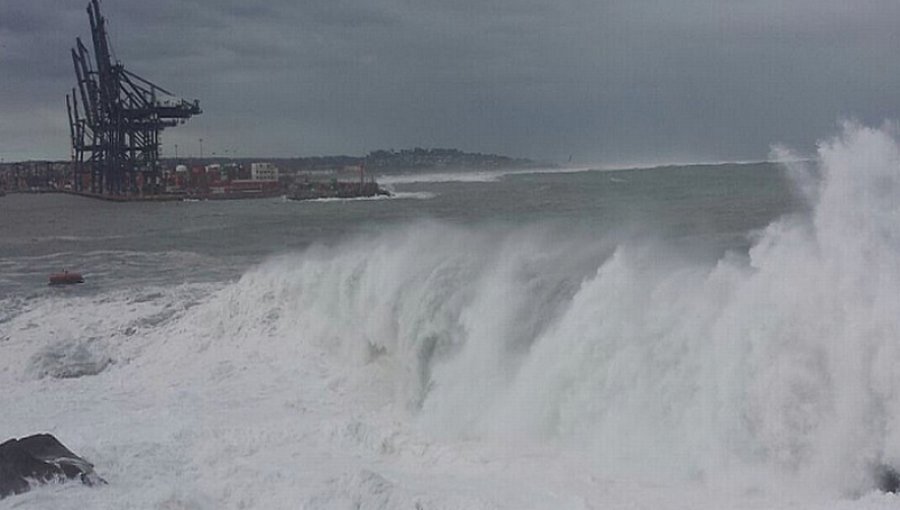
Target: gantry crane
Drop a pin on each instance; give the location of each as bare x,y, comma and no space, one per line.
115,119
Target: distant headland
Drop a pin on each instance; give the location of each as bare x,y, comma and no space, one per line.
390,160
233,177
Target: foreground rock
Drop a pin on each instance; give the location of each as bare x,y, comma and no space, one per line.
887,479
40,459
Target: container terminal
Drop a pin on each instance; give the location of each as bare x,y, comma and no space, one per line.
222,180
116,119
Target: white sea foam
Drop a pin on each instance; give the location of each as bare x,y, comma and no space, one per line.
459,367
60,239
395,195
479,175
476,176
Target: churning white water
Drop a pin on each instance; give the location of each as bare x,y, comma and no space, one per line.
439,366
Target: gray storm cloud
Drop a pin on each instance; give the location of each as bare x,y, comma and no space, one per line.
604,81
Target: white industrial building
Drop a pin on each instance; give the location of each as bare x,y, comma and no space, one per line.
263,172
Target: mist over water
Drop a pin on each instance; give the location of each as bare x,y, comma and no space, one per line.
783,358
769,365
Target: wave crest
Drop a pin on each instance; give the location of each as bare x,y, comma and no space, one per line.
784,357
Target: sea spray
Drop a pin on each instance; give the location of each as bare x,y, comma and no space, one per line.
786,360
781,360
410,300
773,367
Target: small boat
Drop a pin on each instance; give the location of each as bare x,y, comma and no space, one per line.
66,278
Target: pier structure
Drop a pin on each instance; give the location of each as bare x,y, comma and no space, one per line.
115,120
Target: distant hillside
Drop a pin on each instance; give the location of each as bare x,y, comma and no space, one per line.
405,160
419,158
391,160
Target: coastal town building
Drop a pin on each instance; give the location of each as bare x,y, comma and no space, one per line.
263,172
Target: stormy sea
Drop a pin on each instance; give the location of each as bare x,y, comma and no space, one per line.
681,337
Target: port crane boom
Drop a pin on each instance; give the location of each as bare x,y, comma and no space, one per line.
115,128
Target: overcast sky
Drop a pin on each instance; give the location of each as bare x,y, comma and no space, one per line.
604,81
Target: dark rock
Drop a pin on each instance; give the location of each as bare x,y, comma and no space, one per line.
887,479
40,459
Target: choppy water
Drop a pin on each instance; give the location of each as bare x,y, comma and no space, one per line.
715,206
483,341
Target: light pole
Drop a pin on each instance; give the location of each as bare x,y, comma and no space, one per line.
201,148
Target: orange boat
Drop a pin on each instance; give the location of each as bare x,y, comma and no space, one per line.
65,278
